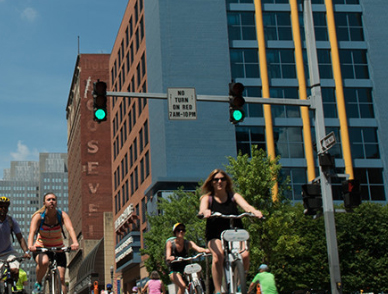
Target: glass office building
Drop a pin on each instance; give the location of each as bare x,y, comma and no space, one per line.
357,27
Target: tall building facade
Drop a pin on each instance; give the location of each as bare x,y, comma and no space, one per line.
25,183
90,186
260,43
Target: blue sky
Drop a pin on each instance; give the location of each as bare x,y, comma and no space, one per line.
38,51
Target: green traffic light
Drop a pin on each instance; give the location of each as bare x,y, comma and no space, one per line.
100,114
237,115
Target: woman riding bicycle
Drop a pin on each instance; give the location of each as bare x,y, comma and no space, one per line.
219,197
49,235
179,247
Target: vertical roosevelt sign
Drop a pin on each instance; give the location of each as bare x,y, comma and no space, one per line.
182,103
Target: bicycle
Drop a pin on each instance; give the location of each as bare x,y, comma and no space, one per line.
192,272
9,282
234,242
52,280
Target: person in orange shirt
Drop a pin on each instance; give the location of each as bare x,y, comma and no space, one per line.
49,235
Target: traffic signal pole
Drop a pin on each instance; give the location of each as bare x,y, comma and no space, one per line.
324,176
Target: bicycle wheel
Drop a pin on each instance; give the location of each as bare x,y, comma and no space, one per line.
8,287
198,289
239,281
56,286
47,284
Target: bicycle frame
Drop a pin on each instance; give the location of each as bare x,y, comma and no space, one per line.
192,272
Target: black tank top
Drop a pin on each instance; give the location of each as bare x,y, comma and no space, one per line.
215,226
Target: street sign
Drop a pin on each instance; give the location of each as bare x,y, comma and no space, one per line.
328,141
182,104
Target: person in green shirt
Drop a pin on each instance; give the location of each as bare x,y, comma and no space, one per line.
266,280
22,281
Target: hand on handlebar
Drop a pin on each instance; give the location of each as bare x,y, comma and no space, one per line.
74,246
171,258
257,213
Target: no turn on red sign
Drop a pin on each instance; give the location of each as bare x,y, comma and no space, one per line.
182,104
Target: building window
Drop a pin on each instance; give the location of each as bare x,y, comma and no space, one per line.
141,144
253,109
248,136
123,194
126,191
298,177
275,1
289,142
142,174
143,210
346,1
277,26
354,64
329,102
241,26
147,164
320,26
284,110
324,64
244,63
359,103
239,1
136,179
281,63
145,128
349,26
372,183
135,149
364,143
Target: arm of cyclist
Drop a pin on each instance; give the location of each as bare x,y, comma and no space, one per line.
33,229
23,245
198,248
204,206
163,289
69,227
246,206
169,257
144,290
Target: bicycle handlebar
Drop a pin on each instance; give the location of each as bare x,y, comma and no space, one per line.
179,259
231,216
18,258
53,249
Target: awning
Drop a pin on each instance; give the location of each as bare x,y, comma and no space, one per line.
91,268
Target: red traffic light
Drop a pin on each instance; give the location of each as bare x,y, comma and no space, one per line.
351,190
236,92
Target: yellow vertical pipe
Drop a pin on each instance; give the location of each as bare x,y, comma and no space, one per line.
265,88
339,89
308,144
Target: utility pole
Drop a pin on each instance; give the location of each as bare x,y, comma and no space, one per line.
324,176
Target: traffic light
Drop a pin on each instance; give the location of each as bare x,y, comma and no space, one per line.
351,190
312,198
99,101
236,103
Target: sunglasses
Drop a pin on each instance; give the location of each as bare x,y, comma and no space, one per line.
216,180
181,230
